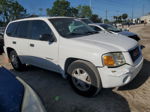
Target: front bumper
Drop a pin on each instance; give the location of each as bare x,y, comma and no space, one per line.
115,77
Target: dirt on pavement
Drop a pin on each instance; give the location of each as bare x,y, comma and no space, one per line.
58,96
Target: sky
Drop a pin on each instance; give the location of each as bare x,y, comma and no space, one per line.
113,7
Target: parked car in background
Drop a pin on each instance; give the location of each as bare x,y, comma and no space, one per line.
16,95
90,60
1,42
114,30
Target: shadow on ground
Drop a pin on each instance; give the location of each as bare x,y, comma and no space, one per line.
140,78
58,96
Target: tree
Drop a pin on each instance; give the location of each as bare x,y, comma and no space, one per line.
63,8
106,21
115,17
40,11
84,11
11,10
119,19
124,16
60,8
95,18
74,12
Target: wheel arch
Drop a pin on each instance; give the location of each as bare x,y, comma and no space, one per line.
8,50
70,60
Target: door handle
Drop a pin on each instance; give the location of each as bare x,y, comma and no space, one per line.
32,45
14,42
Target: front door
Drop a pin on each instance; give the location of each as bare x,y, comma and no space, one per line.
43,52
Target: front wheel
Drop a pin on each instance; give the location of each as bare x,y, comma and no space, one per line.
84,78
15,61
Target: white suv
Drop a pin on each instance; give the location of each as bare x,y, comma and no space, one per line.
90,60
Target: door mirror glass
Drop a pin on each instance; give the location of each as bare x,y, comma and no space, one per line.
45,37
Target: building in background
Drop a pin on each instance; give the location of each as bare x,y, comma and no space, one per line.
145,19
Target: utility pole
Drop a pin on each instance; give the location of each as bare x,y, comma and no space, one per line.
132,13
91,5
106,14
143,10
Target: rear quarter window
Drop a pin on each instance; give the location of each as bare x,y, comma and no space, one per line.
12,29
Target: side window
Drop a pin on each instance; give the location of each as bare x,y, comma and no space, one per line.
12,29
96,28
38,29
22,30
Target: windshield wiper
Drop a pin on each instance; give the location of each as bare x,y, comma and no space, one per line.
91,32
75,33
82,34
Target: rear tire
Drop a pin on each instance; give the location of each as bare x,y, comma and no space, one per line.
84,78
15,61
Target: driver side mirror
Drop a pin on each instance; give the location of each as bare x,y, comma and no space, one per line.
47,37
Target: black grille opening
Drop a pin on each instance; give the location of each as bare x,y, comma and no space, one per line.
135,54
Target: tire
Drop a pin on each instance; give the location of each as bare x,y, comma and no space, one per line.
89,84
15,61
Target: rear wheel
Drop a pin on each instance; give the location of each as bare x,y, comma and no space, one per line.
15,61
84,78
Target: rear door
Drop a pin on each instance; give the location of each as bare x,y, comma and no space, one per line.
21,41
43,52
17,38
10,36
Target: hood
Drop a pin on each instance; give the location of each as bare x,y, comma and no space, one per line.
126,33
108,41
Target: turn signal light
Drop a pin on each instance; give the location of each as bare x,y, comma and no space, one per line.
108,61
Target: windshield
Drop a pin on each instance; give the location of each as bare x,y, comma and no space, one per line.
110,28
70,27
87,21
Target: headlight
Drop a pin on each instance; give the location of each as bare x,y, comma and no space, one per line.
113,59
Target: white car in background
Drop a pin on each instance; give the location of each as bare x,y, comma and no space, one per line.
114,30
90,60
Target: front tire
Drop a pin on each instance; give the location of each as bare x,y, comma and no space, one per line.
84,78
15,61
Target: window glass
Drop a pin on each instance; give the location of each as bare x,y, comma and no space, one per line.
110,28
39,28
12,29
70,27
22,30
87,21
96,28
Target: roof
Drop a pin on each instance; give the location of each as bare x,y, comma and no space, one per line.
37,18
83,18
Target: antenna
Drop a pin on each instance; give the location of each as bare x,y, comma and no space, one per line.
143,10
106,13
91,5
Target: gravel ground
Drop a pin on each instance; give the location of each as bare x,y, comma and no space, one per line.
57,95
